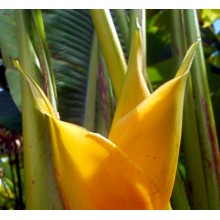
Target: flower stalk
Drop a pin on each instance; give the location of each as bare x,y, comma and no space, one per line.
112,50
204,114
190,139
89,115
39,171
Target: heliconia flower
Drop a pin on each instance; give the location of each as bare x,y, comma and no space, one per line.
150,132
133,169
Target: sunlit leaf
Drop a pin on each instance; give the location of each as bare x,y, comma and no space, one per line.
209,16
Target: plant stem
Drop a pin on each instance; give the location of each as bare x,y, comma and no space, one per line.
35,29
20,200
111,48
122,21
204,114
106,98
179,199
90,105
138,14
44,56
190,138
41,190
17,205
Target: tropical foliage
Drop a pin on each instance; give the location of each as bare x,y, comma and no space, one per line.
92,69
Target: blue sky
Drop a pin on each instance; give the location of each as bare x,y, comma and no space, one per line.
216,26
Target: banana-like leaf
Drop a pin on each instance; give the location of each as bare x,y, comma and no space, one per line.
132,171
9,49
69,36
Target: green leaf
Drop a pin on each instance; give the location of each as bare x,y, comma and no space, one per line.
13,79
69,36
8,36
209,16
161,72
9,49
158,37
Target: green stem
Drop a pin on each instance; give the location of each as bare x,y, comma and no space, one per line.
179,199
204,114
122,21
149,85
44,57
17,205
138,14
90,105
41,190
106,98
190,138
111,48
20,200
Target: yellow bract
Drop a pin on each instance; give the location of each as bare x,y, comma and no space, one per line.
134,89
150,134
93,173
42,102
135,168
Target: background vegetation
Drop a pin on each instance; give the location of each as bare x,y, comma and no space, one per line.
86,97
